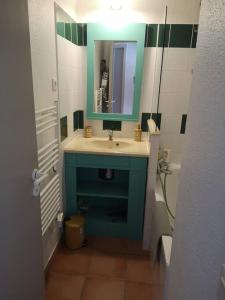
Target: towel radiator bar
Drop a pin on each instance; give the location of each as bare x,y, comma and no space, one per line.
46,181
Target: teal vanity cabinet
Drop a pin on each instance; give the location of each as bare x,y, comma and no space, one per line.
111,207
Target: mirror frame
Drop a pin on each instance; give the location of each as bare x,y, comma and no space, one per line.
130,32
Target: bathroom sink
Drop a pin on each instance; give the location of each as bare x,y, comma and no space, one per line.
106,144
102,145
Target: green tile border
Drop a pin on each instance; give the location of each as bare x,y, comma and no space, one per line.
146,35
176,35
68,31
146,116
164,35
63,128
151,35
78,120
79,34
183,124
112,125
180,36
194,36
84,34
73,32
60,28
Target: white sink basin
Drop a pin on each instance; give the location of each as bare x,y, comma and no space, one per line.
116,145
101,145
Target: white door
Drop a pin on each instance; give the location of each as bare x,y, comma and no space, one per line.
21,265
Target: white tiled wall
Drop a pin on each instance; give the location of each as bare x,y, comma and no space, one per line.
150,78
70,81
183,11
175,94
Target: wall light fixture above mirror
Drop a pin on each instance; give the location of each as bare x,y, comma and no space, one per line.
114,68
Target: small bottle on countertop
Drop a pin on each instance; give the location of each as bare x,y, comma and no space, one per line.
88,132
138,133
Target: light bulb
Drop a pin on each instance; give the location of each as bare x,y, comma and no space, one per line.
116,5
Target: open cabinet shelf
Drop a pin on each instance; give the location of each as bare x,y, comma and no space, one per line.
99,220
102,189
104,214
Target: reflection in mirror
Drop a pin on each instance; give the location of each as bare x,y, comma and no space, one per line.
63,30
114,76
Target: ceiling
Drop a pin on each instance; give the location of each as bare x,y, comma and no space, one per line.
146,11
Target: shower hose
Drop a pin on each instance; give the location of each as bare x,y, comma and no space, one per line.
164,169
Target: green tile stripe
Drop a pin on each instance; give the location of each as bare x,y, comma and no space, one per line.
68,31
146,116
63,128
73,32
78,120
156,35
183,124
151,35
80,34
112,125
84,34
194,36
180,36
60,28
146,35
171,35
164,35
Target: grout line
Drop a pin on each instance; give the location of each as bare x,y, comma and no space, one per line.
82,34
125,290
126,271
157,37
147,37
83,287
170,29
76,41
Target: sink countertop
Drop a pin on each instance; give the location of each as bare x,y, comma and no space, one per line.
92,145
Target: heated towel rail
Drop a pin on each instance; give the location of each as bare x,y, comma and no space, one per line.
46,182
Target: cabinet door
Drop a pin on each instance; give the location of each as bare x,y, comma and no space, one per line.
137,185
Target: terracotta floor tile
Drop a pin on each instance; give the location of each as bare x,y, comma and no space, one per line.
142,291
107,244
103,289
112,266
64,287
141,270
70,263
84,250
135,247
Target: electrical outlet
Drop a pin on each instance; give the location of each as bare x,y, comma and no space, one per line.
166,154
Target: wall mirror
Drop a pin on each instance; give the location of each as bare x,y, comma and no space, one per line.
114,76
114,62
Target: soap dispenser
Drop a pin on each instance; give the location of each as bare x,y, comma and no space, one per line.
137,133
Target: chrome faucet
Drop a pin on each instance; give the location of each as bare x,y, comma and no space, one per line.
110,132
